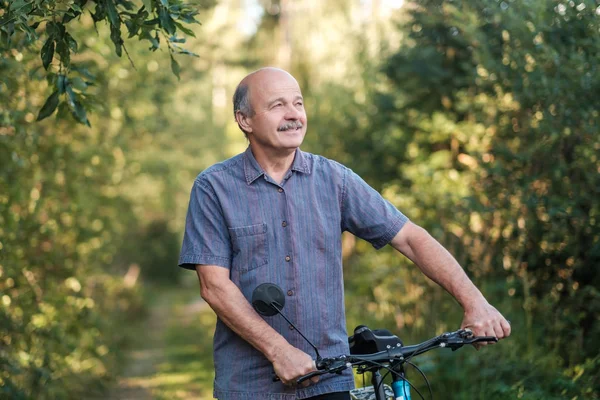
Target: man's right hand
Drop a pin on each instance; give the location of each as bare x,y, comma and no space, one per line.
292,363
228,302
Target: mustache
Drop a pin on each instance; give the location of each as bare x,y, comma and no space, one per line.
290,125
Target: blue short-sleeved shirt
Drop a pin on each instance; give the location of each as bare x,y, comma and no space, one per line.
288,234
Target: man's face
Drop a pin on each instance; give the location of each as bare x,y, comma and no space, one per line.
279,120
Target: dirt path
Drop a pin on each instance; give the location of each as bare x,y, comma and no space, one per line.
153,370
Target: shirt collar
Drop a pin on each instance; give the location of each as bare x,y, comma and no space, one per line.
253,171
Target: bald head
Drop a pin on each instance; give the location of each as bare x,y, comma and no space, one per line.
265,73
256,79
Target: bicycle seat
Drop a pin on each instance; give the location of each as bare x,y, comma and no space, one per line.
367,341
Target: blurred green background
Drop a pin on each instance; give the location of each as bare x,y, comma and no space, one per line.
479,119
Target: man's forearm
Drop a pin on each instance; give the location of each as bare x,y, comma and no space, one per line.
235,311
437,264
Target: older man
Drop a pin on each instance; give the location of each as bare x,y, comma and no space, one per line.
276,214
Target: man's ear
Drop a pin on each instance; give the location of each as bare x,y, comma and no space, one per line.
243,121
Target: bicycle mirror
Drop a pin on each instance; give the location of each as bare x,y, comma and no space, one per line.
268,299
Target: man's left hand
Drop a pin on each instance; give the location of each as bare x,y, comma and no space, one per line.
484,320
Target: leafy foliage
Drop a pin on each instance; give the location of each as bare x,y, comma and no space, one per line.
492,125
25,22
65,306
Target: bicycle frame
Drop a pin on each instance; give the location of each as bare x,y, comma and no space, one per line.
400,389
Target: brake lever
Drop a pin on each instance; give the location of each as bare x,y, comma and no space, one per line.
469,338
310,375
458,339
333,367
477,339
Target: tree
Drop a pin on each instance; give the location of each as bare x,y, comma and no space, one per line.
64,219
492,116
25,22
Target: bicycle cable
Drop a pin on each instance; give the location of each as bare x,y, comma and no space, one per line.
424,377
363,376
422,346
407,360
390,370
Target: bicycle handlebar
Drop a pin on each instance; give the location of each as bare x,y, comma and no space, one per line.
400,354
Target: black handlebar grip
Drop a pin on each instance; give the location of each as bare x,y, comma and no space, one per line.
478,339
308,376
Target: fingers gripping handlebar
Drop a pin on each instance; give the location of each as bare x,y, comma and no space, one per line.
452,340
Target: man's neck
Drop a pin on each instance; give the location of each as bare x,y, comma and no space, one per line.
275,163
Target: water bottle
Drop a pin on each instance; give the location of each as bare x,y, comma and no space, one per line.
401,389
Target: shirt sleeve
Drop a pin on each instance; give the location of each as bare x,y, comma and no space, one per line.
366,214
206,238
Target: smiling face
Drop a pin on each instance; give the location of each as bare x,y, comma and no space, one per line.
279,120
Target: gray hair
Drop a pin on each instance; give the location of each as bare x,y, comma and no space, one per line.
241,102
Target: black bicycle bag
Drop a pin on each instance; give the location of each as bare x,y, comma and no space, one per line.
367,341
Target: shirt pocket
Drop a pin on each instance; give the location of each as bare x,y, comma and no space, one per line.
250,248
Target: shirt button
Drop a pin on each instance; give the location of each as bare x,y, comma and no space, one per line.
290,292
291,328
284,224
288,258
280,190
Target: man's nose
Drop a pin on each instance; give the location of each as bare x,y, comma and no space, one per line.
293,113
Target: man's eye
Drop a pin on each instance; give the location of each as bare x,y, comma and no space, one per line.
277,105
300,104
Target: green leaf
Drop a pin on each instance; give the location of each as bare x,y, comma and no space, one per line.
71,98
77,109
85,72
115,36
175,39
62,48
79,84
143,13
148,5
9,30
127,4
80,114
132,27
49,106
48,52
188,18
113,14
63,111
51,78
30,32
71,42
155,43
185,51
188,53
185,30
17,4
100,13
151,22
70,15
52,29
62,83
166,22
175,67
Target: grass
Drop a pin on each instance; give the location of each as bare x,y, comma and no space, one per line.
172,356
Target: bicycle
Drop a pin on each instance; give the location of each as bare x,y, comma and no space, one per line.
370,351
